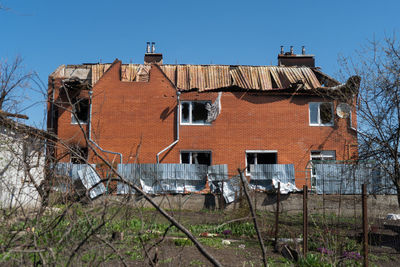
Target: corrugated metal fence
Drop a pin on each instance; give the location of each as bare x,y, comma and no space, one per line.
186,178
348,179
263,174
163,178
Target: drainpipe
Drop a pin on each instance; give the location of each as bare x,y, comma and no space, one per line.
178,112
90,131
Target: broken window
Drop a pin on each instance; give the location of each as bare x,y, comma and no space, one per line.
194,112
79,155
81,111
260,157
196,157
321,114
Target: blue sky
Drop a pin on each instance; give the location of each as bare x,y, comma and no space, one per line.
50,33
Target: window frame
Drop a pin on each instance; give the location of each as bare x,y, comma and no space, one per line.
191,111
258,152
313,174
331,123
190,156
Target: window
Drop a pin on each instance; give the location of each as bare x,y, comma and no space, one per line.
260,157
323,155
194,112
321,114
196,157
81,110
79,155
320,155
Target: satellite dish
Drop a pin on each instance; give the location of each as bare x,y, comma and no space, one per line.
343,110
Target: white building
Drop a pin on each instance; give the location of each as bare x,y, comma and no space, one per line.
22,160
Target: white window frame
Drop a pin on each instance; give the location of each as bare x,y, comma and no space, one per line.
74,121
194,151
331,123
323,157
191,111
258,151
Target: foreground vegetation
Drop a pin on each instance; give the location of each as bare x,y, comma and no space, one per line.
109,233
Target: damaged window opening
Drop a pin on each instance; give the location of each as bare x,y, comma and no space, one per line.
260,157
79,155
321,114
196,157
319,156
81,110
194,112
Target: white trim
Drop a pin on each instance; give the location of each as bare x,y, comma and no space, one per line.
74,122
332,123
190,112
190,154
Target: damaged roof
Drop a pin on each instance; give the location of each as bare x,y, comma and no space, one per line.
210,77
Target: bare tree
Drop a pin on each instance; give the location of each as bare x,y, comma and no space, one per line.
13,81
378,109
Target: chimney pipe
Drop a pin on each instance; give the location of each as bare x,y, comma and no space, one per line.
303,50
282,50
148,47
153,47
291,49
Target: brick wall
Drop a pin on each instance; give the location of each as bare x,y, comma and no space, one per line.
139,118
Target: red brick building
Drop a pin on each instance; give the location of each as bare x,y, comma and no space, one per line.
209,114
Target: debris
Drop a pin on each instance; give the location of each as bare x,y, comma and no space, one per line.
392,216
226,242
289,253
242,246
206,234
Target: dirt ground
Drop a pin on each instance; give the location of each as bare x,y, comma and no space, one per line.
245,250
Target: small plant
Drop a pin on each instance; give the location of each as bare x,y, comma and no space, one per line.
313,260
227,232
181,242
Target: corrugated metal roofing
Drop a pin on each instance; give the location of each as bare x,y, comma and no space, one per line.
213,77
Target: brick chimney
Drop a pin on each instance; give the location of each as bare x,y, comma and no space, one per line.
290,59
151,56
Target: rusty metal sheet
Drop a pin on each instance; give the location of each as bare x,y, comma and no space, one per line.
129,72
170,72
265,78
97,72
212,77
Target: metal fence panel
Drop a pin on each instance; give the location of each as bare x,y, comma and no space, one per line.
262,175
164,178
348,179
231,189
216,175
91,181
84,172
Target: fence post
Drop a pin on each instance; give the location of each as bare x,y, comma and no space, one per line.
278,196
305,220
365,224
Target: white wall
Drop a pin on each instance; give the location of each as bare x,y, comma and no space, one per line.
16,187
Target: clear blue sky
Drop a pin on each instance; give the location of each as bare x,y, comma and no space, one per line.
50,33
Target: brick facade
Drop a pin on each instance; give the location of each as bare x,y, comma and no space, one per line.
139,118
